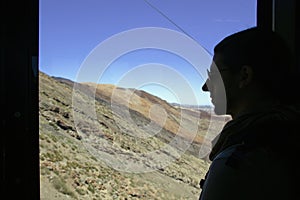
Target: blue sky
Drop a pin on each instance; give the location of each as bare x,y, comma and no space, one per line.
71,30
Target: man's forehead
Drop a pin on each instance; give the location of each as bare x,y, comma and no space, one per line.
217,62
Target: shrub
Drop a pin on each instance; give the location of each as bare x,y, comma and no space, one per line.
61,186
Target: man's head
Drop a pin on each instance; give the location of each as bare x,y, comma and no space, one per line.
252,66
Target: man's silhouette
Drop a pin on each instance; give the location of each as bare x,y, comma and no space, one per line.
255,155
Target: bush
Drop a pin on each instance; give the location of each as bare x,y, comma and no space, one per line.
61,186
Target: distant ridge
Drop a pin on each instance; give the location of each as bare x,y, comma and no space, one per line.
63,80
206,108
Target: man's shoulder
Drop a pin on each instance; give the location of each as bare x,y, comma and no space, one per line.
242,156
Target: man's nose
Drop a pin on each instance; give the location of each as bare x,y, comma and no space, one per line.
204,87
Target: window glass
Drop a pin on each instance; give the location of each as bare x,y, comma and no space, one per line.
121,108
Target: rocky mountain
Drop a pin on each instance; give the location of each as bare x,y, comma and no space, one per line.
105,142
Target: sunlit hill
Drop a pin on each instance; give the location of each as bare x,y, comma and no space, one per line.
93,137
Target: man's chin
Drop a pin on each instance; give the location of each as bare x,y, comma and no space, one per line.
219,110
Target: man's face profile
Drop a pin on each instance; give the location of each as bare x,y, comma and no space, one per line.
214,84
222,85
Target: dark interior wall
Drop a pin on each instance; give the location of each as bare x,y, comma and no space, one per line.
283,17
19,100
264,13
285,22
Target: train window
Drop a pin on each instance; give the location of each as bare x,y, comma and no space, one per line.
121,111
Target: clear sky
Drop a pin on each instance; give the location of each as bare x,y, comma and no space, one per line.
74,32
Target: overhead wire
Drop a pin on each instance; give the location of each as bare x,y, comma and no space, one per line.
171,21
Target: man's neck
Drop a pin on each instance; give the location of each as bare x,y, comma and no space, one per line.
254,106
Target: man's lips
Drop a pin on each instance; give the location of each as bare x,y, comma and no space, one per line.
212,100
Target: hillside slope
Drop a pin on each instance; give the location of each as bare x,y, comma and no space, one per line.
109,154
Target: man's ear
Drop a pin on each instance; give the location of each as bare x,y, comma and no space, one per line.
246,76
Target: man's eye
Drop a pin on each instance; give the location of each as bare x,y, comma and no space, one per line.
214,71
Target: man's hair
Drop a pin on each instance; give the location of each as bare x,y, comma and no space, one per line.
263,50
